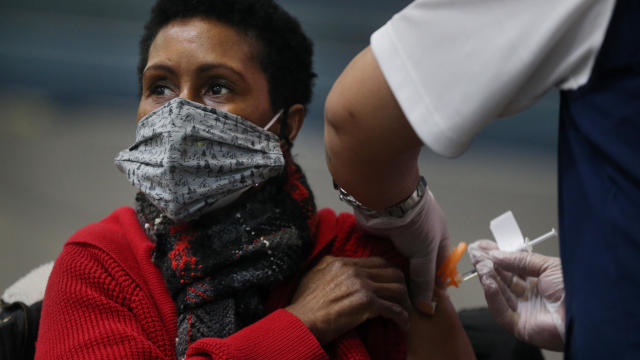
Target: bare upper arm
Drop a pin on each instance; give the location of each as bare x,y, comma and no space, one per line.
372,150
438,336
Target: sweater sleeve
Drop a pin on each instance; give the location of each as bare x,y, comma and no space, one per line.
280,335
94,309
381,337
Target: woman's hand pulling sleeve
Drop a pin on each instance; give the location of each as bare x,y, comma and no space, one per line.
338,294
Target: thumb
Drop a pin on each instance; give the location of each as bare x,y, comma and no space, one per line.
479,250
523,264
422,276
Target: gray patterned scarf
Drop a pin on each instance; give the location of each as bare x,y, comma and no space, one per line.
220,267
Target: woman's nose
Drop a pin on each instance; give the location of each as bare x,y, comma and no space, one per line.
191,94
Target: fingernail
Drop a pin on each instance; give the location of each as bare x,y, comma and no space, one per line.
484,267
487,280
426,306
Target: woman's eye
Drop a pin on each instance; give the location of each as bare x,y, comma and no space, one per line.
218,89
159,90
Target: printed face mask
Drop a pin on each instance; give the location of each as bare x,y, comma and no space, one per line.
189,159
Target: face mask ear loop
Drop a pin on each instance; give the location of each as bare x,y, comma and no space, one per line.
273,121
284,132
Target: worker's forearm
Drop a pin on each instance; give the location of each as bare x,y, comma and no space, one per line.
372,151
376,179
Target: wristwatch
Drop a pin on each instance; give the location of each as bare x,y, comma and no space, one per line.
398,210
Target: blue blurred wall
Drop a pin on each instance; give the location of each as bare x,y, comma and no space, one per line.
85,52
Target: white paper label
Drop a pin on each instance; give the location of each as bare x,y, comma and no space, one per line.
507,233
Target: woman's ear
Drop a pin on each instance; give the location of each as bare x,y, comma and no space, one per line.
295,119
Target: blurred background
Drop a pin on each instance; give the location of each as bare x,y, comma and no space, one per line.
68,94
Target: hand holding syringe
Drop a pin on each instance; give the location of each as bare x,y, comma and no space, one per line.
527,246
509,238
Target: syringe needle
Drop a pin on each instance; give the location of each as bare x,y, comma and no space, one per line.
469,275
473,273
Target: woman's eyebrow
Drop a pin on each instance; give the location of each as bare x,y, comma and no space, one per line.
212,66
162,67
200,69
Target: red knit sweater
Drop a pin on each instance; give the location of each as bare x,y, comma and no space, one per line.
106,300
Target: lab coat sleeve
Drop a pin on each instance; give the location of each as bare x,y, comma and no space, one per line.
455,65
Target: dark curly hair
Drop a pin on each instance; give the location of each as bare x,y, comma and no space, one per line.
284,52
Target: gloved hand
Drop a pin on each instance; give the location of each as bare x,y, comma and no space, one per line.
422,236
524,291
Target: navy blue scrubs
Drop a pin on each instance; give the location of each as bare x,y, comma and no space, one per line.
599,195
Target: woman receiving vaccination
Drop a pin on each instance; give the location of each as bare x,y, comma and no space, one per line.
224,255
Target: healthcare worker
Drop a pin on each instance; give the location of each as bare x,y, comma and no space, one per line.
438,72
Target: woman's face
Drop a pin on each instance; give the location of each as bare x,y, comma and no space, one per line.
207,62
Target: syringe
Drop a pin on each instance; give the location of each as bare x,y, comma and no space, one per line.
527,246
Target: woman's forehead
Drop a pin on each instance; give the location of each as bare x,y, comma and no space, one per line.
200,40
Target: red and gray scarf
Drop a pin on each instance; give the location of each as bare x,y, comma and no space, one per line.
220,267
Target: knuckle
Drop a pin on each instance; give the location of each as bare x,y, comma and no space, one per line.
336,264
363,298
357,283
351,271
396,309
399,275
352,283
380,260
326,261
400,289
526,260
